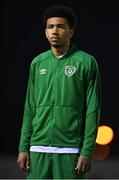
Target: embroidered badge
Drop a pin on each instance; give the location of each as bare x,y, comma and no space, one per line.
70,70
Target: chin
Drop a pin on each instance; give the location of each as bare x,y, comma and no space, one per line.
56,45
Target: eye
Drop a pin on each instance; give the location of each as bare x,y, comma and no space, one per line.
50,26
62,26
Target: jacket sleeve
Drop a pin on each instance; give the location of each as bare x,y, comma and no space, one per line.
29,113
93,107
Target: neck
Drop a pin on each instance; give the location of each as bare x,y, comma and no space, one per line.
57,51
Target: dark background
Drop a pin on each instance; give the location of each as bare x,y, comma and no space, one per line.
24,38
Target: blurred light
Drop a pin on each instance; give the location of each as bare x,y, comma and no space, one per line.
101,152
105,135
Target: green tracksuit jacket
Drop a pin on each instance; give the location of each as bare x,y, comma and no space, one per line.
63,101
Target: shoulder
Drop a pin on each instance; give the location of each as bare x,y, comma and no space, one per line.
41,57
84,57
86,60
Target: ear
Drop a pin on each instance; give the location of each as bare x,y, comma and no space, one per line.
46,33
71,33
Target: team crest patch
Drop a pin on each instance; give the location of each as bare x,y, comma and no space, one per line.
70,70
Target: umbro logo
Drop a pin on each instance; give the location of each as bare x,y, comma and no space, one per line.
43,71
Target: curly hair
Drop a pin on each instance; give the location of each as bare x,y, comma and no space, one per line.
61,11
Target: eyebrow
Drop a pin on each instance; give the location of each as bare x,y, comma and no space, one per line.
57,25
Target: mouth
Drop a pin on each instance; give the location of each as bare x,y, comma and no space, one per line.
54,38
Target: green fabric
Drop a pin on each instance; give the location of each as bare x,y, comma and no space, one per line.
63,102
53,166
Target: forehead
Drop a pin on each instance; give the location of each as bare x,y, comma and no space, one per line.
57,20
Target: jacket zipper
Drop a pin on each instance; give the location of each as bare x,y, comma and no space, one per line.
53,100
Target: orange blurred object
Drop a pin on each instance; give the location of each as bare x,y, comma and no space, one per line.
105,135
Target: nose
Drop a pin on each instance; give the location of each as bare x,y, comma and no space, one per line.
55,29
